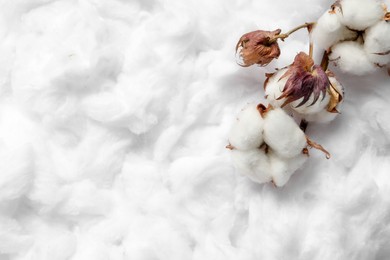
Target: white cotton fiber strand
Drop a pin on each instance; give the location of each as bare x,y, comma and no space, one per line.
282,134
351,58
246,132
329,31
252,163
360,14
283,168
274,87
377,43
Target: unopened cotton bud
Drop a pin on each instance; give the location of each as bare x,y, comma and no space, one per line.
328,30
359,14
257,47
351,58
253,164
282,134
247,130
377,43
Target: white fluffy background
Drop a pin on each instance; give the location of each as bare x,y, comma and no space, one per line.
114,115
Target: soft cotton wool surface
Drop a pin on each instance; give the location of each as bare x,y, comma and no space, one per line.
114,117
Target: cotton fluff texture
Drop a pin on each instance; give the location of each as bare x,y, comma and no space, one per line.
351,58
114,117
377,43
360,14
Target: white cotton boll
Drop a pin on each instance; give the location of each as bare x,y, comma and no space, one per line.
283,168
377,42
247,130
282,134
351,58
252,163
274,86
360,14
329,31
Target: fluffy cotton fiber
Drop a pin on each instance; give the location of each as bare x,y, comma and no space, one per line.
247,130
274,88
351,58
283,169
377,43
282,134
360,14
329,31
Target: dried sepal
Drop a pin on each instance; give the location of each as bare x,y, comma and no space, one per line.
230,147
304,79
313,144
334,5
263,109
335,99
387,16
258,47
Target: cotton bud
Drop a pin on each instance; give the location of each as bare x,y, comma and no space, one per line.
257,47
328,30
253,164
359,14
377,43
282,134
283,169
246,132
351,58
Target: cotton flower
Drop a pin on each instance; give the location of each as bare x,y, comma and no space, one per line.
246,132
377,43
351,58
328,30
359,14
257,47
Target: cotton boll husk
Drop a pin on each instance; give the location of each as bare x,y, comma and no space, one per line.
246,132
328,31
351,58
324,116
309,108
282,134
360,14
377,40
283,168
253,164
274,88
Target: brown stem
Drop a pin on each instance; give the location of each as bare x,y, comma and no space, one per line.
283,36
311,49
325,61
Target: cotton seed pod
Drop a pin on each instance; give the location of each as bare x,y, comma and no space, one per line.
328,30
377,43
247,130
257,47
282,134
253,164
359,14
351,58
282,168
